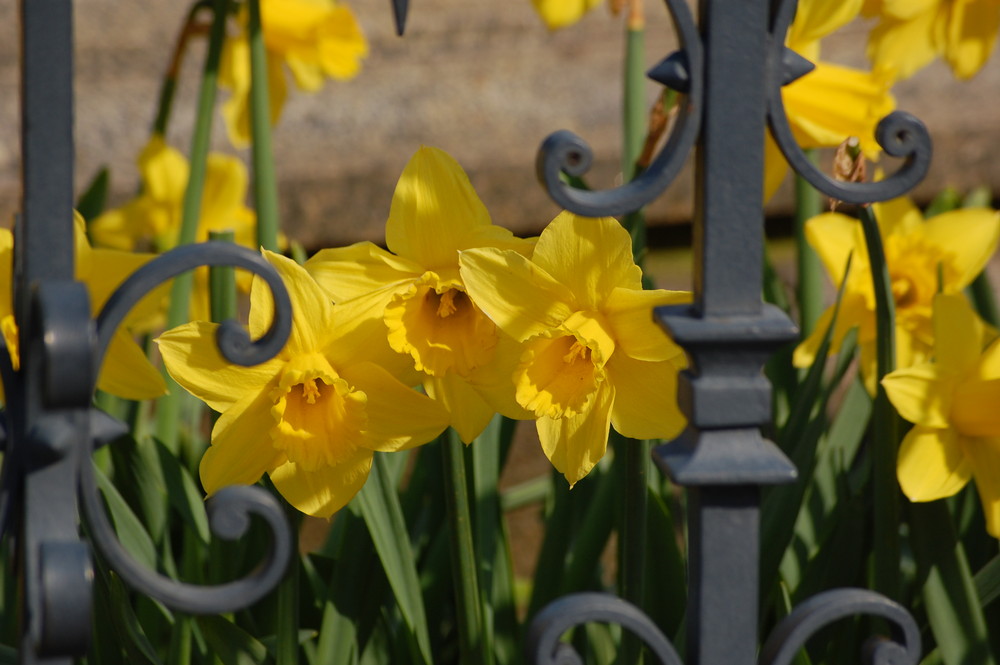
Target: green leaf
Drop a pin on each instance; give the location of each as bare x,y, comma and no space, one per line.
949,594
987,582
137,645
379,505
230,643
183,493
91,202
130,531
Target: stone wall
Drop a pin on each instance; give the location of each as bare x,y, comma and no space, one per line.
483,80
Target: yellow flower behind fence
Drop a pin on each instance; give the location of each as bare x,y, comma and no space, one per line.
953,246
594,357
126,371
418,298
314,39
911,33
312,417
952,402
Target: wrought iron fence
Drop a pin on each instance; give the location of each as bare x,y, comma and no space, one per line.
729,70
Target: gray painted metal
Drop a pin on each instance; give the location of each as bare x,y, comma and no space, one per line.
732,76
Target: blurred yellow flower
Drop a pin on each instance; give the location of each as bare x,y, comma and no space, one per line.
126,371
911,33
315,39
414,292
830,103
561,13
594,357
952,402
953,246
311,417
152,220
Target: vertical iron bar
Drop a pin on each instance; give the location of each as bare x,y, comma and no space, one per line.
728,334
728,243
54,565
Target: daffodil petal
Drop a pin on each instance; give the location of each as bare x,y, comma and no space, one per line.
921,394
985,461
905,46
561,13
127,372
815,19
630,313
775,167
164,170
645,398
470,414
588,256
192,357
958,333
358,270
398,417
517,295
932,464
974,412
494,381
242,449
898,216
833,236
575,444
972,34
969,236
358,334
312,308
326,490
433,208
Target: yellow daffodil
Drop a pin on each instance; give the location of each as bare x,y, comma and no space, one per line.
153,218
912,33
561,13
953,247
593,355
315,39
415,294
126,371
311,417
952,402
830,103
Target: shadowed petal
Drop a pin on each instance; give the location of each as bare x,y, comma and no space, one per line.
985,456
323,492
470,414
127,372
575,444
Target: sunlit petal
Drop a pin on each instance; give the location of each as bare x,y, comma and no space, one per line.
968,237
972,34
515,293
630,313
922,394
192,358
127,372
905,46
312,308
470,414
833,236
359,269
562,13
932,464
645,398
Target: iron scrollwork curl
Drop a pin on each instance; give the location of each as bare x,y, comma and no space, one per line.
899,134
565,152
823,609
543,645
229,510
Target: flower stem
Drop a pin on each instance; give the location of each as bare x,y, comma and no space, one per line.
168,410
885,426
463,555
168,88
809,288
222,283
265,188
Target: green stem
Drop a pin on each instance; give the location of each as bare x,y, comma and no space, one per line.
809,288
885,425
265,188
222,283
463,556
633,533
168,88
287,646
981,294
169,407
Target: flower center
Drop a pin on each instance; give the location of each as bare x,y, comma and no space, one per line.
320,418
557,377
440,328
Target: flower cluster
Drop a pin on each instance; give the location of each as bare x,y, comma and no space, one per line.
558,330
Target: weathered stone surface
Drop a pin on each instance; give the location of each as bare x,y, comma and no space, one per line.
484,81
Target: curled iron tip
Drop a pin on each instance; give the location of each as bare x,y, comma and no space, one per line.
399,10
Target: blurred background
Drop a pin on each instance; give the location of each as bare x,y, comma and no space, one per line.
485,81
